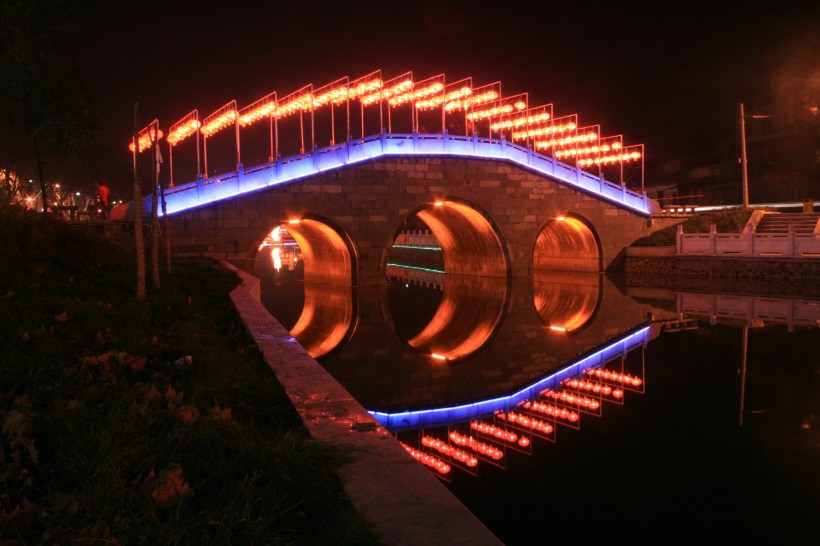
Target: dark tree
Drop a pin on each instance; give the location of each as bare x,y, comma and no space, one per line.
45,107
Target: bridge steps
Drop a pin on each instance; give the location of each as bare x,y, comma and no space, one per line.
779,222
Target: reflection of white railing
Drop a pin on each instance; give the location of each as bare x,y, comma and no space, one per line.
748,308
418,237
788,244
419,276
202,192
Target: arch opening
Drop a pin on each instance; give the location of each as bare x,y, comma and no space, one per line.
567,243
316,256
448,261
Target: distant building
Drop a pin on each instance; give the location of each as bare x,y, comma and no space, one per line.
783,159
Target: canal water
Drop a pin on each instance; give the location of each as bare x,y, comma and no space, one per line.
570,406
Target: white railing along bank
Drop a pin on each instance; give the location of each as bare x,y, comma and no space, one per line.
789,244
202,192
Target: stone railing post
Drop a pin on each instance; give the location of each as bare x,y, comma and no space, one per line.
791,242
679,239
713,238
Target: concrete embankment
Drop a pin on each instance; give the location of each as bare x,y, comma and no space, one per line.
762,275
404,503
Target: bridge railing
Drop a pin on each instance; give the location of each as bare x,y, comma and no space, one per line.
226,186
788,244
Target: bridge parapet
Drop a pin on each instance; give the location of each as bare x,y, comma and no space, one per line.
229,185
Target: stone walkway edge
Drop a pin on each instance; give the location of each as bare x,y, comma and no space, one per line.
403,503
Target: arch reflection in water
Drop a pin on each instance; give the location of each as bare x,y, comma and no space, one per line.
468,313
328,319
566,301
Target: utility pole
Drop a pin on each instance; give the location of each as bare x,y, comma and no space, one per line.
743,162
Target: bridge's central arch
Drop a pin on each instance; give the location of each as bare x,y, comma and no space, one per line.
470,244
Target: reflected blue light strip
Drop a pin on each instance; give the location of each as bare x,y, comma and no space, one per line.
417,268
477,410
185,197
414,247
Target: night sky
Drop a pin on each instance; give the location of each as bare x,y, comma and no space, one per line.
668,77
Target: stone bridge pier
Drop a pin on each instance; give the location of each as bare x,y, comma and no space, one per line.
491,217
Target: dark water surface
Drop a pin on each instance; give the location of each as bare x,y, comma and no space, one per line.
720,439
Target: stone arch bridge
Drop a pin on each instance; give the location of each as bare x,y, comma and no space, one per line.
497,209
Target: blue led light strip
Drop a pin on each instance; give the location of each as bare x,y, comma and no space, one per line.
196,194
477,410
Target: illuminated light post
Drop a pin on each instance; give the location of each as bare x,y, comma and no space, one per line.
452,100
361,88
332,94
297,102
392,88
261,109
217,121
145,139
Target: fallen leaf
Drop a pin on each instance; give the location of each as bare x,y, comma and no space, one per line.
219,414
139,364
171,486
62,317
188,413
153,394
170,393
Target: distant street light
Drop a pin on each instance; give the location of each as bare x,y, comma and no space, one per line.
743,161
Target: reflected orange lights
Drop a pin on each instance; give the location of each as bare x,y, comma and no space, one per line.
494,431
597,388
428,460
452,452
531,423
436,356
558,329
623,378
553,411
479,447
571,399
294,221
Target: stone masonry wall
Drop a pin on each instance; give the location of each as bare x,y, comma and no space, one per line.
370,201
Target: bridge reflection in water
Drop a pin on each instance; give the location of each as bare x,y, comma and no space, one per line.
568,387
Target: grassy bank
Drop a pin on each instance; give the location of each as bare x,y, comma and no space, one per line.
725,221
154,422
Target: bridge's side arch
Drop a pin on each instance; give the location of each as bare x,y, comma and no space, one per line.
567,242
328,252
